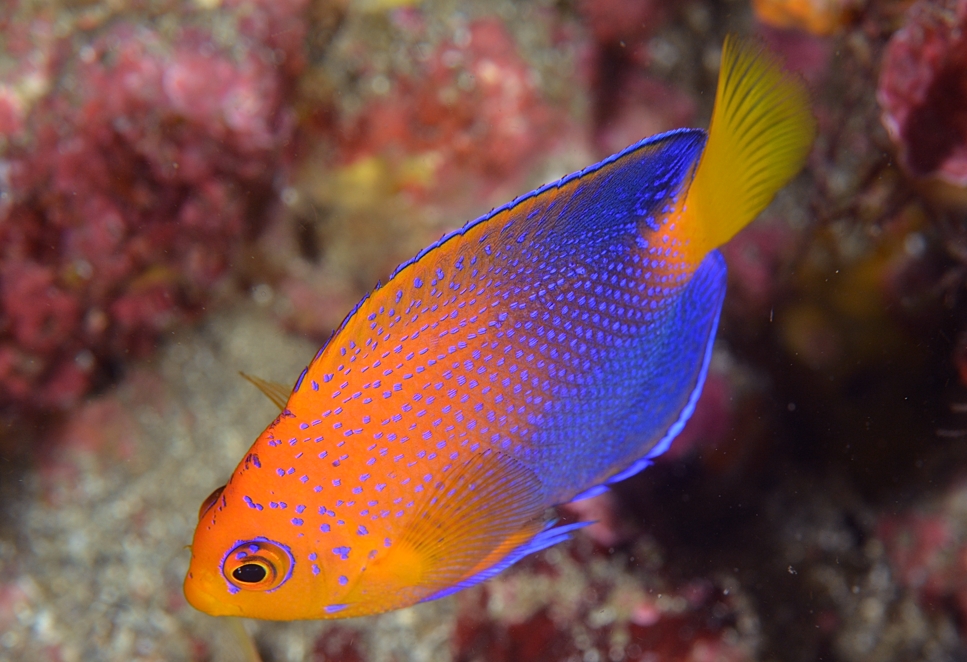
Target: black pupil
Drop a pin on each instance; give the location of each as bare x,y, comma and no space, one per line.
249,573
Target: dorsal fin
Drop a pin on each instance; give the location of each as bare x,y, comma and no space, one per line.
274,391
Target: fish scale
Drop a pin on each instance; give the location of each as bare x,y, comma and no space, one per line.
505,349
532,357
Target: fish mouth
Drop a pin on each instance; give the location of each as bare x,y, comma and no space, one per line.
197,592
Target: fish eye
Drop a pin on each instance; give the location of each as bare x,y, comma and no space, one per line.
250,573
258,565
209,502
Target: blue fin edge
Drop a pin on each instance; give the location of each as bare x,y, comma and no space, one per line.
666,441
590,493
550,536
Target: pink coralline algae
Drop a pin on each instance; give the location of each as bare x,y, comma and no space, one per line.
127,189
626,103
616,21
927,550
803,52
568,610
607,527
924,552
643,106
474,107
923,90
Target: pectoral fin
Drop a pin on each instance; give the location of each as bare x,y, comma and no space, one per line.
468,527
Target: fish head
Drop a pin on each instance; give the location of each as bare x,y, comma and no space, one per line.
269,545
247,566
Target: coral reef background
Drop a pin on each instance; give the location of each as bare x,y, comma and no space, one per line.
192,188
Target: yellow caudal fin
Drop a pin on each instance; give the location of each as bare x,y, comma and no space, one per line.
760,134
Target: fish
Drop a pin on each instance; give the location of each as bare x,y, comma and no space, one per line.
533,357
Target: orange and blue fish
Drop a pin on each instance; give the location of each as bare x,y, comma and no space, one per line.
533,357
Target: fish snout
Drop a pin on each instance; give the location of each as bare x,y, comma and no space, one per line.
203,592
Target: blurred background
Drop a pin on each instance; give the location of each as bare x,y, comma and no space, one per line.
193,188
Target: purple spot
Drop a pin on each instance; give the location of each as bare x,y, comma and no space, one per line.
315,569
332,609
342,551
255,460
317,489
281,472
386,542
300,508
297,521
336,482
343,580
361,531
324,528
315,386
313,556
